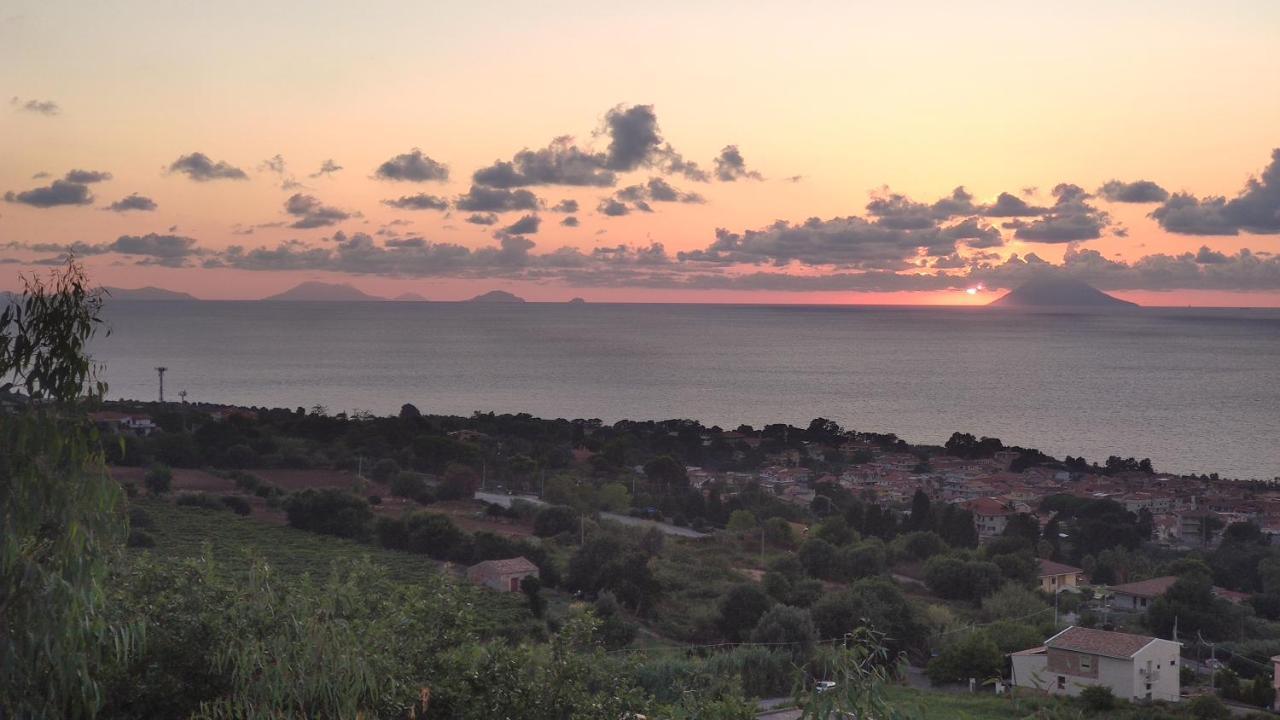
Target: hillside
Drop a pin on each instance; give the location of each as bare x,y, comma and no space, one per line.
147,293
313,291
1058,292
497,296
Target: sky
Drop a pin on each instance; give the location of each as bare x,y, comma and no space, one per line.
813,152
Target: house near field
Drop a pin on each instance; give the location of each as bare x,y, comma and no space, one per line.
502,575
1054,576
1138,596
123,423
1134,667
990,516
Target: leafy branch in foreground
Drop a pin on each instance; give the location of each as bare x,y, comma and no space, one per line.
61,514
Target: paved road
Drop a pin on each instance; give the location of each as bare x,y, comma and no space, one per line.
505,501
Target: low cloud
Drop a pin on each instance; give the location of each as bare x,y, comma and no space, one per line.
570,221
560,163
489,199
730,166
526,225
1256,209
655,190
39,107
328,167
133,201
56,194
412,166
482,219
197,166
1008,205
1071,219
86,177
1140,191
568,205
612,207
311,213
421,201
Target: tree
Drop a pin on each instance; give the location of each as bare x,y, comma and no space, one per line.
604,563
972,655
741,610
778,533
665,471
875,603
531,586
1014,601
818,557
459,481
614,631
409,412
788,627
384,470
330,512
741,522
159,479
554,520
61,514
921,517
613,497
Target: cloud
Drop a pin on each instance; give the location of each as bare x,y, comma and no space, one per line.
482,219
311,213
560,163
155,249
526,225
58,193
489,199
612,207
846,243
1007,205
568,205
730,166
328,167
634,138
1071,219
1140,191
421,201
197,166
1184,214
1255,209
570,221
655,190
1205,256
85,177
133,201
412,166
40,107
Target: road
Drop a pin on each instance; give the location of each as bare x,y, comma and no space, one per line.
505,501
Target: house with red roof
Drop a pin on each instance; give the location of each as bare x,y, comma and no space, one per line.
1134,667
990,516
502,575
1139,595
1055,576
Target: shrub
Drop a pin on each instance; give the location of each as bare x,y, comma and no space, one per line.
556,519
787,627
237,504
199,500
140,539
1098,698
330,512
1208,707
158,479
974,655
139,518
412,486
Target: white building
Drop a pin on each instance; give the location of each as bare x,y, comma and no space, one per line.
1135,667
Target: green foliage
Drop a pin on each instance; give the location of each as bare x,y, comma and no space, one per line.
741,522
953,578
237,504
741,610
876,604
970,655
159,479
1098,698
605,563
330,512
1015,602
1208,707
788,629
861,669
919,545
61,516
554,520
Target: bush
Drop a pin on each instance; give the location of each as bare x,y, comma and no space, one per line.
1098,698
139,518
140,539
330,512
412,486
1208,707
556,519
384,470
974,655
789,628
159,479
199,500
237,504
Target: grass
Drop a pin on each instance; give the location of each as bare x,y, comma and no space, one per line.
930,705
234,541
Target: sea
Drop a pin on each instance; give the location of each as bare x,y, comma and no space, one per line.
1194,390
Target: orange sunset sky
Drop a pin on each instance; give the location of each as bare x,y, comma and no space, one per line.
719,151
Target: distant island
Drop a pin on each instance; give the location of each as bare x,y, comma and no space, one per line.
1058,292
147,293
312,291
496,296
409,297
577,301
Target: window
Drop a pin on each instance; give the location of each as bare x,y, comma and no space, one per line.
1062,682
1086,663
1172,663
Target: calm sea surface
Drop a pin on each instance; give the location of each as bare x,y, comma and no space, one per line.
1194,390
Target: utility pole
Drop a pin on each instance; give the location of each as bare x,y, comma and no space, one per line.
162,370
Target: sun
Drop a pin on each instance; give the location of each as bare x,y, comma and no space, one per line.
971,291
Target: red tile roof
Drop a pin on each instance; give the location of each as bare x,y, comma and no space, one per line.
1098,642
504,567
1155,587
988,506
1049,567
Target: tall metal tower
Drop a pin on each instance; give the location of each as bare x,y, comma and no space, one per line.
162,371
